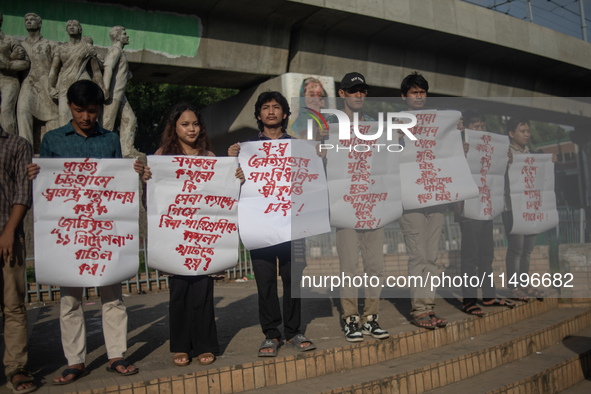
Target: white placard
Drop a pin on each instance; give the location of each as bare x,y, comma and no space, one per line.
487,158
192,214
284,196
86,221
533,199
363,179
433,169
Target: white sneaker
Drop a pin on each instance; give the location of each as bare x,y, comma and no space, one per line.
352,333
371,327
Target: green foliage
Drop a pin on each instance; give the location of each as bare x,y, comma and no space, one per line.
495,124
151,103
540,131
545,132
31,274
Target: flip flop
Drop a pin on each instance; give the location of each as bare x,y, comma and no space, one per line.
113,368
296,343
71,371
268,344
205,355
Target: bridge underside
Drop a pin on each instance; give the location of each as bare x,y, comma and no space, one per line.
463,50
246,42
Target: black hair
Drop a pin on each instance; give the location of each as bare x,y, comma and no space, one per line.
84,93
413,79
514,122
264,98
472,115
170,144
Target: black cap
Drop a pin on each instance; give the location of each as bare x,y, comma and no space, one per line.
353,79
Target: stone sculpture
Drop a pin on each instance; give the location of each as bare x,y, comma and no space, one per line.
115,76
13,59
75,60
34,101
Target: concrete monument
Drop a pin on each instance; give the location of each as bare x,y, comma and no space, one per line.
34,101
13,59
115,76
75,60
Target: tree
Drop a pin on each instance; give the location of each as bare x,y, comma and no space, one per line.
151,103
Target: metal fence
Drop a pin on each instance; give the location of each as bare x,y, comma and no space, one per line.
143,279
571,229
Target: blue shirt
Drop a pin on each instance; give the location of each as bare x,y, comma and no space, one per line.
65,142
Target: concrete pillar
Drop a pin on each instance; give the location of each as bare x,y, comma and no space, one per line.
582,137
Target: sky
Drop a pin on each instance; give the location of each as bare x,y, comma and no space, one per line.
560,15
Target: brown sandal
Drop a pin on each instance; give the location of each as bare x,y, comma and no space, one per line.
176,359
203,356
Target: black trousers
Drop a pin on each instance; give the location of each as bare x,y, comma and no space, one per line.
192,316
264,263
477,254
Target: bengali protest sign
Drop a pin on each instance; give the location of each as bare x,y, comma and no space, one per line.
285,196
363,179
487,159
192,214
433,169
533,200
86,221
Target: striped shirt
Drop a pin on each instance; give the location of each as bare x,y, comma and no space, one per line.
15,187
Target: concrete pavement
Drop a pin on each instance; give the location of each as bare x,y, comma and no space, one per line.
238,327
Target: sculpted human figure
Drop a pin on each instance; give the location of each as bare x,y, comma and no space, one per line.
34,101
13,59
115,76
73,61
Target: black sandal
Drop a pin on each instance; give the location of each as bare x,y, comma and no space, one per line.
71,371
268,344
296,343
500,302
125,364
472,309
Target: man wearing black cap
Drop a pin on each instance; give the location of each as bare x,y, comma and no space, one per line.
354,90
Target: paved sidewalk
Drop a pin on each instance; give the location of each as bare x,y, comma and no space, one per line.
238,327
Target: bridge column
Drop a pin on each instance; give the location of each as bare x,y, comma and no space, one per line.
583,139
